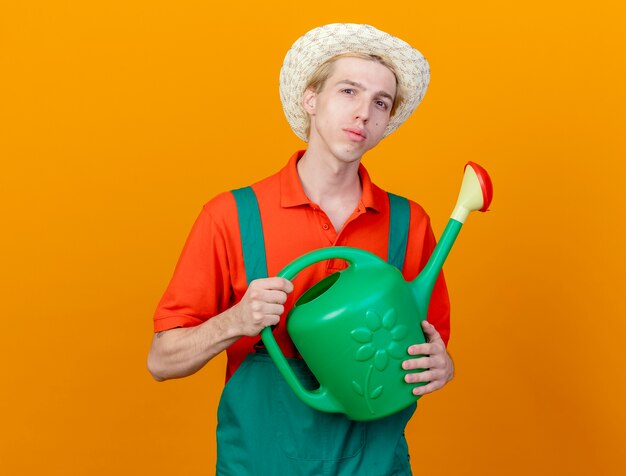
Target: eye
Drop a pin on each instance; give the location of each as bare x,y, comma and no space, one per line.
382,105
349,91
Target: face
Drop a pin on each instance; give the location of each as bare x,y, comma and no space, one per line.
351,112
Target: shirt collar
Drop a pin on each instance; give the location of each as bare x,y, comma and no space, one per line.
292,194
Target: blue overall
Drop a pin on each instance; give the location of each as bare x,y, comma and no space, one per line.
264,429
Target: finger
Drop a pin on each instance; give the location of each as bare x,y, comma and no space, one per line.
278,283
421,363
421,349
262,292
265,320
428,388
269,309
430,348
431,333
285,285
275,297
271,320
259,307
275,283
417,377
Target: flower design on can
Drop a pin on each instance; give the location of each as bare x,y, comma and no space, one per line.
379,340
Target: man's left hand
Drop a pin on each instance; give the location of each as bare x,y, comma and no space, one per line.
433,357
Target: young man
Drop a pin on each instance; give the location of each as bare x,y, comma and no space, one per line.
344,87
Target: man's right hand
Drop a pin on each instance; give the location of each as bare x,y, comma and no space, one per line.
183,351
262,305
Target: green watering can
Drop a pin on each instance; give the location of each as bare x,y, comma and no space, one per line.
353,328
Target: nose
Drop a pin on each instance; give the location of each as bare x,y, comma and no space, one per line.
362,111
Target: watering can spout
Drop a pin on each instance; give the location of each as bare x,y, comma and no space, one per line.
476,192
475,195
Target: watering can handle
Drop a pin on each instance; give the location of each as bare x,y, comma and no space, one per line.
320,399
354,256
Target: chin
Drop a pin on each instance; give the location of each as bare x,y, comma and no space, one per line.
349,156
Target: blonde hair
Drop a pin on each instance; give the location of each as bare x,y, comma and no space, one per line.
322,73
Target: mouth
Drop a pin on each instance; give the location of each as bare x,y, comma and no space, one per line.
357,135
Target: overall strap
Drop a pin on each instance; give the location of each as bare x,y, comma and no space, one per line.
251,230
253,242
399,217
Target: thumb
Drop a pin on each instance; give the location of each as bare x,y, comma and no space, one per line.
431,333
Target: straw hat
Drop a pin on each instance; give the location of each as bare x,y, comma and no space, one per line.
320,44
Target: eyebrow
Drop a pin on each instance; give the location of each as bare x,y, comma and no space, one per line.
384,94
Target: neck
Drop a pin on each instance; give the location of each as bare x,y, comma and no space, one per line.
332,184
323,179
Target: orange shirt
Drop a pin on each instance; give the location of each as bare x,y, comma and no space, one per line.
210,275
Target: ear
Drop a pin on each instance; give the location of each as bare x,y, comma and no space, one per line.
308,101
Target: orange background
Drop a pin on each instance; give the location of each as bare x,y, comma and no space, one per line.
118,120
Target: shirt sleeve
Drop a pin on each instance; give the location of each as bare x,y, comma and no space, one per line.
201,286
